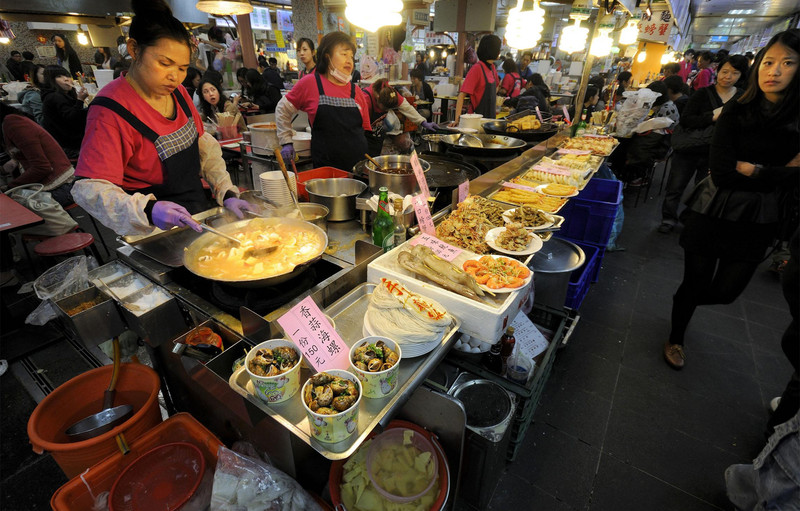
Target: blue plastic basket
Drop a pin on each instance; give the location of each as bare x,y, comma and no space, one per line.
590,215
582,278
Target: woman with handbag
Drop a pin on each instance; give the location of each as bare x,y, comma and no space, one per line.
693,134
734,214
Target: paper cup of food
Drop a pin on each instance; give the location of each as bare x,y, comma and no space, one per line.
376,362
331,400
274,369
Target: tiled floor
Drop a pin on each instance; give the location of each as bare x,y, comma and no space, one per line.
616,429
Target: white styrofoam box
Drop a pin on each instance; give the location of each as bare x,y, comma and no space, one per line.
486,321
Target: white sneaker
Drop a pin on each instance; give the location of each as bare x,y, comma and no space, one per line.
773,405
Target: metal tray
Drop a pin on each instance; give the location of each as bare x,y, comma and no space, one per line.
94,325
348,312
491,196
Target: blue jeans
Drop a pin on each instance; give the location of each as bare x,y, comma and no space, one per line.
772,481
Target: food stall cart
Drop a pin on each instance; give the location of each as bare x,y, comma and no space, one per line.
340,281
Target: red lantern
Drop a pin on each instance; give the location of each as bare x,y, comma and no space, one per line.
42,39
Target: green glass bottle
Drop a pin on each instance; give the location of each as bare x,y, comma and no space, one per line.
383,226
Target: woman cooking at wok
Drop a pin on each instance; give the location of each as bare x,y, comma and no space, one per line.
336,108
145,149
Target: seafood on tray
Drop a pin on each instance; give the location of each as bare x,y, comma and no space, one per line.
374,358
327,394
404,316
497,272
272,362
423,261
515,237
466,227
529,216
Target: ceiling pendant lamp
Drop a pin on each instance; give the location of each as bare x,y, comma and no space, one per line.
602,43
83,39
573,37
374,14
524,29
666,58
225,7
630,33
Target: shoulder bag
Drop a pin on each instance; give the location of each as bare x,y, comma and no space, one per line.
686,139
56,220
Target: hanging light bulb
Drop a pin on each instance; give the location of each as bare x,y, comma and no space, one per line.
374,14
573,37
524,29
666,58
4,40
642,54
82,38
630,33
602,43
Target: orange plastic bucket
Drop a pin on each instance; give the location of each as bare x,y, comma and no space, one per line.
138,385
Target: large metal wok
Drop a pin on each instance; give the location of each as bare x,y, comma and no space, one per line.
483,145
190,255
547,130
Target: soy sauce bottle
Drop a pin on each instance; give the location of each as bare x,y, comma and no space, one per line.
507,343
492,360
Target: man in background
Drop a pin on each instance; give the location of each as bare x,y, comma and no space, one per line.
272,74
14,65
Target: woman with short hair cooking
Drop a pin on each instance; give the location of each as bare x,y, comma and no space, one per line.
145,149
337,110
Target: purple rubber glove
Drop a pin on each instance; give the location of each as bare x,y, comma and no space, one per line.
167,215
238,206
287,153
430,126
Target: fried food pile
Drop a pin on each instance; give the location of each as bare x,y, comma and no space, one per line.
466,227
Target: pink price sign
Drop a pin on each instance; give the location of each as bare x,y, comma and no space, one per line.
578,152
566,114
440,248
312,333
539,114
423,183
519,187
423,214
463,191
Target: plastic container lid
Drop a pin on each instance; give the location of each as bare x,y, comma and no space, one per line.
395,437
164,478
558,256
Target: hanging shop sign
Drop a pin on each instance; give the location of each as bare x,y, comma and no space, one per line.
259,19
284,20
656,27
274,48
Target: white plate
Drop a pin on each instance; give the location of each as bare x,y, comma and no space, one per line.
534,245
540,189
507,219
502,289
410,350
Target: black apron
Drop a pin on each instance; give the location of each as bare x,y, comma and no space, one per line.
488,103
179,153
337,136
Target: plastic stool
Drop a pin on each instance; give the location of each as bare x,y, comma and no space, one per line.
437,116
94,225
67,244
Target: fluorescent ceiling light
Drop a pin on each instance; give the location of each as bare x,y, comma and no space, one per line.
549,4
742,11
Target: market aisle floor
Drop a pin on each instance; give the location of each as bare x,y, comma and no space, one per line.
616,428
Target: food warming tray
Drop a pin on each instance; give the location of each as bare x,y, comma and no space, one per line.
348,312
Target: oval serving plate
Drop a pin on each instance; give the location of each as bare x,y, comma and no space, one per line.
503,289
534,245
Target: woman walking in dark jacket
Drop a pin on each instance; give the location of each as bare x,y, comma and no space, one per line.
63,114
701,111
733,216
66,56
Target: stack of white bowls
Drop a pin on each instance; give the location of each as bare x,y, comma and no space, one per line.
273,187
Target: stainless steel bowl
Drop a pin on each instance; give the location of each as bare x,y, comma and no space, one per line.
316,214
337,194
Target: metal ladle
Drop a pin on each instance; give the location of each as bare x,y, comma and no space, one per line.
110,416
469,140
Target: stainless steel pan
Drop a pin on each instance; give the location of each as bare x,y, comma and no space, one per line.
483,145
190,255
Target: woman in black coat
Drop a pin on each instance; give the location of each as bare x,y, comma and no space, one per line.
63,113
66,55
733,216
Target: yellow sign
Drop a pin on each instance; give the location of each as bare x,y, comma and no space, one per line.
279,39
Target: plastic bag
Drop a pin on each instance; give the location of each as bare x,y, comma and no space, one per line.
60,281
634,110
656,123
242,483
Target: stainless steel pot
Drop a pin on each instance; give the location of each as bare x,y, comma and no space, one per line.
316,214
401,182
433,143
552,267
337,194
